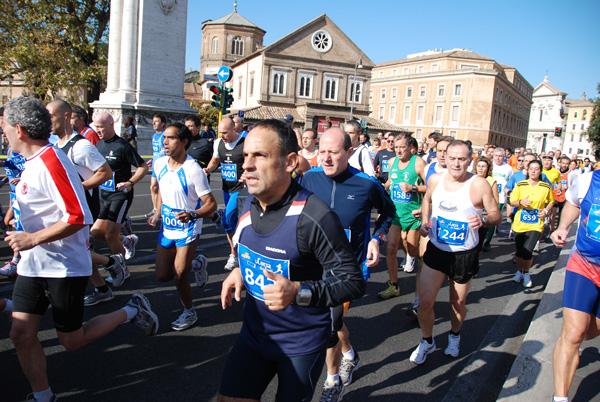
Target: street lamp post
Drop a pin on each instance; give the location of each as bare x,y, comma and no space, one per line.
10,82
353,90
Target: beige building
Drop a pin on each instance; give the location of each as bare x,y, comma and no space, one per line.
227,40
575,137
312,73
455,92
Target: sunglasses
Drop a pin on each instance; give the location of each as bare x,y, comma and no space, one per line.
519,160
548,157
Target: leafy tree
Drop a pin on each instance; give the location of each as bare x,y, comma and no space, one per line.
594,128
207,113
55,44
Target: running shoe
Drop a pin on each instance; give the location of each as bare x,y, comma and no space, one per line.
117,270
184,321
98,297
127,228
402,265
9,269
110,279
145,318
527,280
410,267
391,291
332,392
419,355
453,346
199,265
510,235
149,214
218,218
537,247
486,246
348,367
518,277
412,311
129,242
232,262
31,398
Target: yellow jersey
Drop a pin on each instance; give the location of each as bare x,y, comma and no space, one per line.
526,219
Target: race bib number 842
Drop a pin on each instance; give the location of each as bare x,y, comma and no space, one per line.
252,265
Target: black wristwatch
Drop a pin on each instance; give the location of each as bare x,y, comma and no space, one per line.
414,189
193,216
304,296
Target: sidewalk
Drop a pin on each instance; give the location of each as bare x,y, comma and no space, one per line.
531,378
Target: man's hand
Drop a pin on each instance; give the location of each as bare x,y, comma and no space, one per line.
405,187
425,229
559,237
280,294
416,213
475,221
149,162
372,253
183,216
234,282
153,220
19,241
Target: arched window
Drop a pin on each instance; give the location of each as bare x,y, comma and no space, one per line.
237,46
215,45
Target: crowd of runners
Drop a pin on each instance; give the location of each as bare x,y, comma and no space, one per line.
297,215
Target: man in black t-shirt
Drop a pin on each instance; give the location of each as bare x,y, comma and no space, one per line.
116,194
382,158
200,149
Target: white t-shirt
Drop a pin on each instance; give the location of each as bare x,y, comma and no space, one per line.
365,164
50,191
579,188
86,158
228,145
501,174
180,190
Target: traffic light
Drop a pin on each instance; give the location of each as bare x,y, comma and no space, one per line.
227,99
558,131
217,90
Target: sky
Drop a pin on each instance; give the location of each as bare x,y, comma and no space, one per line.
538,38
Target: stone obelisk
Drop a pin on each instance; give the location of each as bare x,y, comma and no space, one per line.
146,64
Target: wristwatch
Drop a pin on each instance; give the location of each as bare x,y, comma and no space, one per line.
414,189
304,296
484,220
193,216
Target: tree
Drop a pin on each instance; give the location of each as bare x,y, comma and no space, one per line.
594,127
55,44
208,114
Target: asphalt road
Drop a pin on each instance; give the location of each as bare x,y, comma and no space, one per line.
127,365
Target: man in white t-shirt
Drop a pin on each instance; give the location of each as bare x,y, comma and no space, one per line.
361,157
184,198
52,219
501,172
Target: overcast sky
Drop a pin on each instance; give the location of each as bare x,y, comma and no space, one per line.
537,37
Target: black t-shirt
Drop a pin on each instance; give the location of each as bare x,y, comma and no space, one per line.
201,150
381,159
231,165
120,156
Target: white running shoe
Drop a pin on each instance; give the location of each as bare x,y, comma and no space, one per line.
184,321
527,280
518,277
98,297
537,247
199,265
332,392
453,346
232,262
419,355
409,266
127,275
145,318
129,244
149,214
117,270
402,264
